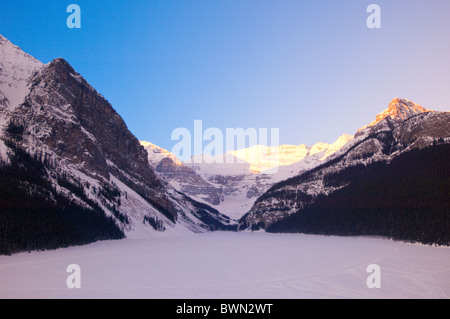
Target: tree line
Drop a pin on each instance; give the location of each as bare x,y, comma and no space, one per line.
406,199
34,216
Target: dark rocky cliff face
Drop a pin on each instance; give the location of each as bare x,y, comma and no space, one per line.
80,126
91,160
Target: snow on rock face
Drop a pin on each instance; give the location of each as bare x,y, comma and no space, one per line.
64,118
183,178
16,67
156,154
402,127
263,158
336,146
233,181
260,167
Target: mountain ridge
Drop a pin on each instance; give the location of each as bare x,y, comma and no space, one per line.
65,149
398,109
381,142
231,182
90,156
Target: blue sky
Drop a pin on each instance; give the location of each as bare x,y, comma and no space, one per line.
313,69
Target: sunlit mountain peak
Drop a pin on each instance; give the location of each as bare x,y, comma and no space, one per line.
398,109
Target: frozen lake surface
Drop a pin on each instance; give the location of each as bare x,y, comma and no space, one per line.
231,265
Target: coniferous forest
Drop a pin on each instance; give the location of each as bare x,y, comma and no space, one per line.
406,199
33,216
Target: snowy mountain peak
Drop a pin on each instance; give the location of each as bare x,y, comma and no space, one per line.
261,157
16,67
337,145
404,127
52,117
398,109
20,64
402,108
156,154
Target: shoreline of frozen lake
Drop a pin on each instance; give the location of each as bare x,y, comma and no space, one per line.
231,266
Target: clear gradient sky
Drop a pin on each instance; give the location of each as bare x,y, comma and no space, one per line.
311,68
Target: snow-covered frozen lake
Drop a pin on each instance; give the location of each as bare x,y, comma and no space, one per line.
231,265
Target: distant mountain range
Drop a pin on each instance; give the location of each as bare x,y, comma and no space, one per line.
232,186
72,173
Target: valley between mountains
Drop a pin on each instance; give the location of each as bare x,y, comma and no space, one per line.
71,173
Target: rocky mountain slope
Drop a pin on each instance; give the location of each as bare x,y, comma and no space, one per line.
180,176
402,127
404,199
232,182
52,115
